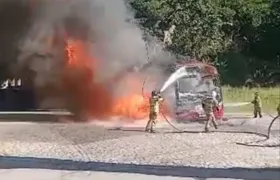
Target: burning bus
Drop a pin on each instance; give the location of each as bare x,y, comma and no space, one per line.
193,80
74,73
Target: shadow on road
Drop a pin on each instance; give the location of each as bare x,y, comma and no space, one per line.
12,162
226,131
127,129
192,132
29,117
259,145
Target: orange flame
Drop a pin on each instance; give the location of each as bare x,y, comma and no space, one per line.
77,54
95,98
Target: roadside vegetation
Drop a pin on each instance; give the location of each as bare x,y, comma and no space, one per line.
240,37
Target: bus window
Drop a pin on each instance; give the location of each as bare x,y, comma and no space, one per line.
216,82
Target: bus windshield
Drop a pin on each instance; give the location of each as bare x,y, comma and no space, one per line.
195,85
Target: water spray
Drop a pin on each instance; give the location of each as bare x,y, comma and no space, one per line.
148,61
181,72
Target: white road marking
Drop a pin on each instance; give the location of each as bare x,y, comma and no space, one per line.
35,113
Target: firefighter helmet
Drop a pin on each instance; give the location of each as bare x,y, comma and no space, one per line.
214,94
154,93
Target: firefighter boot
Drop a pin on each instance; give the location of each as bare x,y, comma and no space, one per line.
206,129
150,130
207,125
215,125
153,124
148,127
255,114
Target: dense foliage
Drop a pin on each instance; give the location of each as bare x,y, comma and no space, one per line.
241,37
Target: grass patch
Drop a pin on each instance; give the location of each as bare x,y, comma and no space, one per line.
270,98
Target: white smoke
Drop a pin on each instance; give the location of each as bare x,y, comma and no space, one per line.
119,43
105,25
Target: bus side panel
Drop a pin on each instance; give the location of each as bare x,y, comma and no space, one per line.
19,98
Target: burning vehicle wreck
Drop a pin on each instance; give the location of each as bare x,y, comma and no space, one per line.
192,81
76,62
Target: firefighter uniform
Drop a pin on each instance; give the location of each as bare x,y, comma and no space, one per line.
154,101
167,41
208,105
257,102
278,109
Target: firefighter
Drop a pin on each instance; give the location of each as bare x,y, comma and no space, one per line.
208,105
167,41
278,109
257,105
154,101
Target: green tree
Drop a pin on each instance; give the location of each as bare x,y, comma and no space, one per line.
204,28
199,24
266,48
232,33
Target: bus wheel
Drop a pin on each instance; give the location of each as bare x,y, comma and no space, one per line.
224,119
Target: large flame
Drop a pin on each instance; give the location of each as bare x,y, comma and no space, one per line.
95,99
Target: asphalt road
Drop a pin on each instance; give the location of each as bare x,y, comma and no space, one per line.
28,144
58,133
81,133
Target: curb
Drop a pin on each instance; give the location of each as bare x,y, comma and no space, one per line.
64,116
34,116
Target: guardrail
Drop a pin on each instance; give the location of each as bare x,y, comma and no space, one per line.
35,116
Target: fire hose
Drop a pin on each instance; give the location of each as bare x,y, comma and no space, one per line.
143,85
273,120
166,119
270,125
